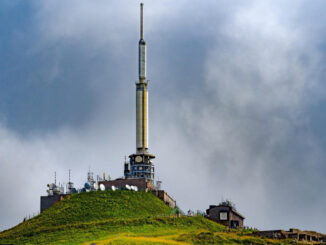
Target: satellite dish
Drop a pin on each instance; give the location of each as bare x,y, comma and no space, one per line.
128,187
102,187
113,188
132,188
135,188
96,186
87,186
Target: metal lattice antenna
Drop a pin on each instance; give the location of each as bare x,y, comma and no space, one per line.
69,175
55,177
141,21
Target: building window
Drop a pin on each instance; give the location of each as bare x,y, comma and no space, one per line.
223,216
234,224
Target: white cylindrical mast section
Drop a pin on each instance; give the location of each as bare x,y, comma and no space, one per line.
142,95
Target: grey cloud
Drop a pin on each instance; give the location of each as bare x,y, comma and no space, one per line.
230,91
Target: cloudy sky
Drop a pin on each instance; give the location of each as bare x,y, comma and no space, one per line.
237,102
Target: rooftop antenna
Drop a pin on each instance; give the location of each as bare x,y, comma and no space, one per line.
69,175
158,184
55,177
141,21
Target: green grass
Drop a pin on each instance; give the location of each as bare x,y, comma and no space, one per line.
121,217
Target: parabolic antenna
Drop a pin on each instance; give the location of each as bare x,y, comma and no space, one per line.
128,187
132,188
96,186
113,188
135,188
102,187
87,186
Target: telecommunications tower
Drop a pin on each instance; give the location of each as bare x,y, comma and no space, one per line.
140,164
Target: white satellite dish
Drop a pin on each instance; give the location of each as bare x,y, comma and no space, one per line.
102,187
135,188
132,188
113,188
96,186
128,187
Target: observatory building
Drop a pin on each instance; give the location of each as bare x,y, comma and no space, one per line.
140,164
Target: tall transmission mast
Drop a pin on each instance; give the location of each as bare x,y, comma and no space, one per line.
140,164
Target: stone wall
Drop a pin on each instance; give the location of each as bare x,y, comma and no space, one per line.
48,201
142,184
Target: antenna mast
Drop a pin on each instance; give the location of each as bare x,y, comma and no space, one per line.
142,157
141,21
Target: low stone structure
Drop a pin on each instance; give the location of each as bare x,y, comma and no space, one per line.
225,214
323,240
310,236
48,201
142,184
165,198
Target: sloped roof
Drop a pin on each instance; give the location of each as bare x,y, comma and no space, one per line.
230,208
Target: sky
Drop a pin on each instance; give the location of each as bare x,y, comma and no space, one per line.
236,102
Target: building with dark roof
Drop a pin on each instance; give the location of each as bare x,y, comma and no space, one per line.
225,214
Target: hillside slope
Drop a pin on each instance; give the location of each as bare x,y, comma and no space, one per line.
121,217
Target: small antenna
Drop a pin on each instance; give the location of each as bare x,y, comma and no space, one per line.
55,177
141,21
69,175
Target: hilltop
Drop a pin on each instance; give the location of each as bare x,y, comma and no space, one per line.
121,217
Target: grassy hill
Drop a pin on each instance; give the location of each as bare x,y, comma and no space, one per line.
121,217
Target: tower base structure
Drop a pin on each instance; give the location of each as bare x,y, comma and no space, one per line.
142,185
140,166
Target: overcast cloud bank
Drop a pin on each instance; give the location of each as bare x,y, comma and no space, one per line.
232,85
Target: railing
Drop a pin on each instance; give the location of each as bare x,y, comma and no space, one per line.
30,216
